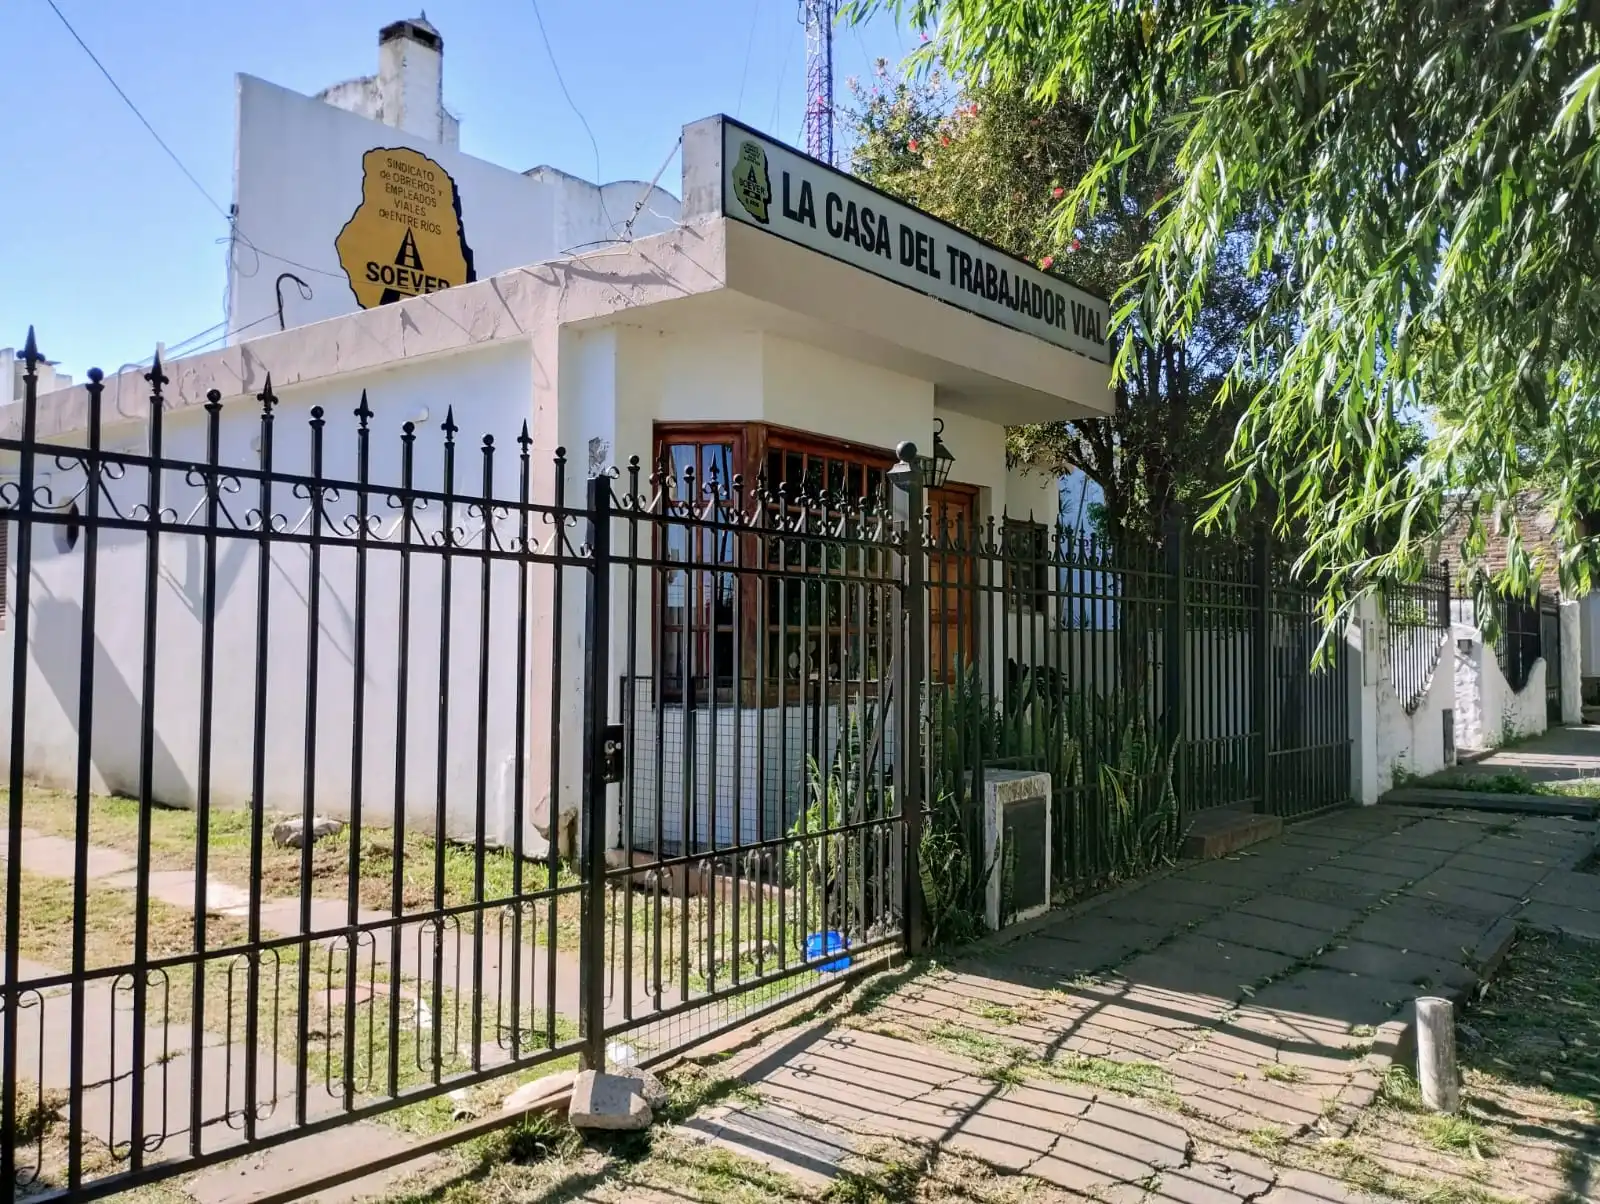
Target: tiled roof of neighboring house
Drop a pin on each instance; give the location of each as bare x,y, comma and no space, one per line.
1536,524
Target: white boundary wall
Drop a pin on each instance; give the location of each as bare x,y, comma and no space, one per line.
1488,711
1414,743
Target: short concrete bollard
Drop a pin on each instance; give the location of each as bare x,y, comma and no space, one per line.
1436,1054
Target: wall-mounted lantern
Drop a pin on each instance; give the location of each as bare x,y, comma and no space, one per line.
936,468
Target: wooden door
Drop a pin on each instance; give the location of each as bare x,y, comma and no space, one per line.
952,577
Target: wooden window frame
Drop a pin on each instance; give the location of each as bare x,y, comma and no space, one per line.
751,444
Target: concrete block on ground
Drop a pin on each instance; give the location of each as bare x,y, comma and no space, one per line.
1216,833
544,1094
803,1149
611,1102
291,833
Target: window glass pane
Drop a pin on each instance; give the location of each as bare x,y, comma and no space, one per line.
683,458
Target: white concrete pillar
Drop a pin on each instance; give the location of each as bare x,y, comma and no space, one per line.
1364,664
1571,663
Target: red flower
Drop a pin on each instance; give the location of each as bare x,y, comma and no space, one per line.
944,140
1058,192
1076,244
974,109
912,145
1046,262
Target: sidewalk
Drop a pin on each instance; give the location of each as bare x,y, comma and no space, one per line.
1163,1044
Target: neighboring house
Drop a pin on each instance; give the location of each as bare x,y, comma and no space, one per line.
308,167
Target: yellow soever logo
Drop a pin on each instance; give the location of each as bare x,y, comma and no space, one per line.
751,184
405,237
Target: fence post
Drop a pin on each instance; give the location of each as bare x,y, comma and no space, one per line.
1174,654
592,812
1261,679
912,634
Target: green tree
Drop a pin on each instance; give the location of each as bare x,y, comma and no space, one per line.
1430,172
995,162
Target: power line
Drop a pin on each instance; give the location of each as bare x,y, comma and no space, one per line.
749,45
134,109
226,214
555,67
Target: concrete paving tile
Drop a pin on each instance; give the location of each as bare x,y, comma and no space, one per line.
272,1170
1351,890
1512,886
1155,912
777,1138
1390,863
1329,917
1202,895
1308,1187
1381,877
1236,872
1410,930
55,857
1205,966
1463,901
1571,921
1566,888
1351,999
1438,833
1259,932
1068,957
1135,1129
1004,1130
918,1064
1382,961
1512,848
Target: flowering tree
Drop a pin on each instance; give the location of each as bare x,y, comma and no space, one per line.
994,162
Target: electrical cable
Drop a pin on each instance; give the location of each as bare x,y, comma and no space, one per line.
226,214
627,227
783,69
555,68
749,44
134,109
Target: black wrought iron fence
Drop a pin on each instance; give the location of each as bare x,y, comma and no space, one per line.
1518,642
412,772
297,702
1418,619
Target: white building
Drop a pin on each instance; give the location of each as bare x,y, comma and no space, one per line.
301,169
793,313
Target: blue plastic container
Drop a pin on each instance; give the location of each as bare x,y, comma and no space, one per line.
820,944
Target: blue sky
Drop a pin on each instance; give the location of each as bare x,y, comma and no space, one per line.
107,249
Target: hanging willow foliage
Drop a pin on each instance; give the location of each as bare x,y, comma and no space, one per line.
1429,172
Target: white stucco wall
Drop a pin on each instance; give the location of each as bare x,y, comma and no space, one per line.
298,179
1488,711
1413,743
489,389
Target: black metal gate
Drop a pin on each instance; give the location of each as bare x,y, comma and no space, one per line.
1550,649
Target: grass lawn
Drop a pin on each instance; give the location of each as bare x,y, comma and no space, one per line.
1510,781
431,874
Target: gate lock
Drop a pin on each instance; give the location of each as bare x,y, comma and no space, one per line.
611,753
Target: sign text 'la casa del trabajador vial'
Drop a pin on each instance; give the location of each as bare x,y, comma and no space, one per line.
771,186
